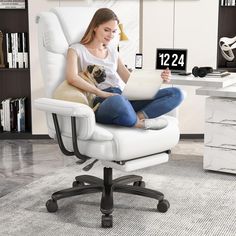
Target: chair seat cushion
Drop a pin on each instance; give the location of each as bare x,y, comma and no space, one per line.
128,143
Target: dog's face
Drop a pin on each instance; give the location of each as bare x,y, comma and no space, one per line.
97,72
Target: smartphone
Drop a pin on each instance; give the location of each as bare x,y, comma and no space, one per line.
138,61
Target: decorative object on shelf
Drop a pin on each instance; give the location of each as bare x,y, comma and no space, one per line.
1,51
123,36
12,4
227,45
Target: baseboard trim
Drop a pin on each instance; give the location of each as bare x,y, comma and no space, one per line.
45,136
191,136
39,136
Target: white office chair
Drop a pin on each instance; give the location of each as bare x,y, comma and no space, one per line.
73,124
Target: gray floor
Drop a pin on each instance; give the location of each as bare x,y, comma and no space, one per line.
24,161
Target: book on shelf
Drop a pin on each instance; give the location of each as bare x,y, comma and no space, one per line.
227,2
9,50
6,114
25,50
21,115
12,114
20,50
12,4
17,50
14,50
1,118
218,73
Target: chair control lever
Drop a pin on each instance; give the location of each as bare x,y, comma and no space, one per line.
89,166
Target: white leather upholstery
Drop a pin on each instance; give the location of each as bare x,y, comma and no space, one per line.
129,143
70,20
138,163
57,29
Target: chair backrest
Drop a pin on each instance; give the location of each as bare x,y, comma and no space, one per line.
57,30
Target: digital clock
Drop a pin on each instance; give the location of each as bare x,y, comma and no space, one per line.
174,59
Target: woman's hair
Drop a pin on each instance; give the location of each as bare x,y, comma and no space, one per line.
101,16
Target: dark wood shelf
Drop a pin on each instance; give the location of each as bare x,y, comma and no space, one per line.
14,69
15,82
15,135
230,69
13,9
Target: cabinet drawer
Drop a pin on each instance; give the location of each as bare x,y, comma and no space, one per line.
219,159
220,110
220,135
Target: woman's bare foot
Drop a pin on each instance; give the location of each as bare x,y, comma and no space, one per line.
140,115
139,124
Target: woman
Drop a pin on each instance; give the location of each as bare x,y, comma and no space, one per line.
114,108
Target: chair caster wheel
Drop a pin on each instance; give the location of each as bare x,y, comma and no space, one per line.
163,206
107,221
77,184
139,183
51,205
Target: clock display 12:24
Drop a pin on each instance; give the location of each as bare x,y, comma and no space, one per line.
174,59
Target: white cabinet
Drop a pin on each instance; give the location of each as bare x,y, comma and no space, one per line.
220,135
220,120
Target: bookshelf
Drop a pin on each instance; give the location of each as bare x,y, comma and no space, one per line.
15,82
226,28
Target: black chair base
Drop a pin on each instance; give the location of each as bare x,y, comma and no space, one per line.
86,184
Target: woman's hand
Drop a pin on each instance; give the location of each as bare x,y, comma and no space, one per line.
104,94
165,75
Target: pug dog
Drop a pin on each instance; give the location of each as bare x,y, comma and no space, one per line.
94,74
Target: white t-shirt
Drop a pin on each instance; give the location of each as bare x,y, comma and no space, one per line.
110,64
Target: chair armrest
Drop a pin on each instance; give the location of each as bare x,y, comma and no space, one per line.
64,109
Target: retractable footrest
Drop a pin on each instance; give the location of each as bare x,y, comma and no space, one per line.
138,163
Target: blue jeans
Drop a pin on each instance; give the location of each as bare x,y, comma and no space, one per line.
120,111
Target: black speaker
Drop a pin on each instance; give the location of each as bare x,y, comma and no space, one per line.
201,71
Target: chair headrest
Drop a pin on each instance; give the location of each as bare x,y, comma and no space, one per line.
74,21
63,26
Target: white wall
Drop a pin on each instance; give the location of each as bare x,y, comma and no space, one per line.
183,24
